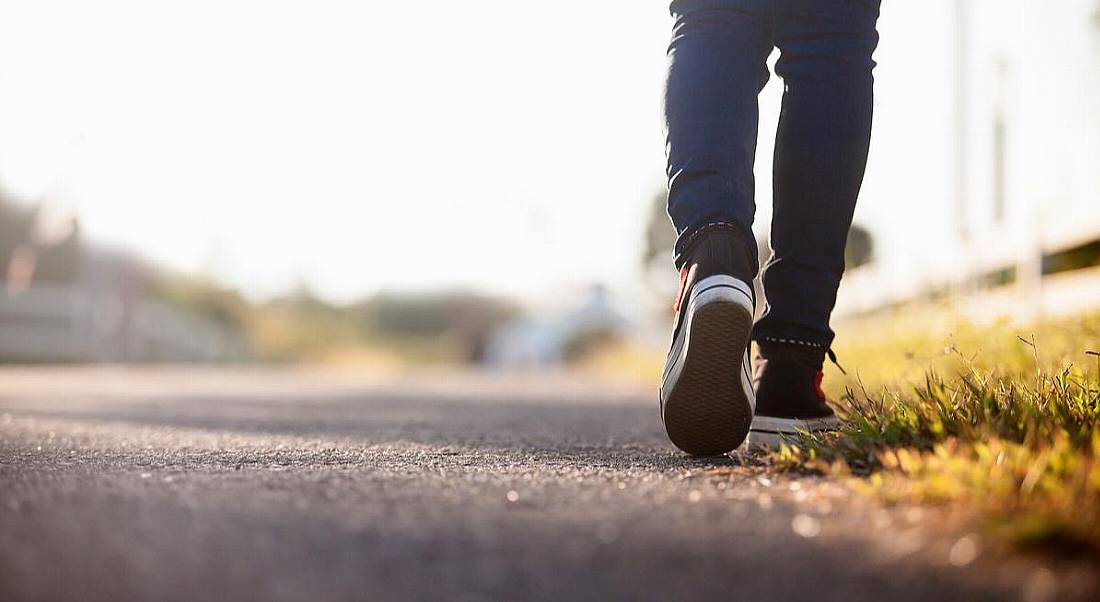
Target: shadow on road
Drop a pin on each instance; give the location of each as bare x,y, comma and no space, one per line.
604,431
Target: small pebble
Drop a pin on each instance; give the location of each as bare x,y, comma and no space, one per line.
964,551
806,526
1041,586
607,532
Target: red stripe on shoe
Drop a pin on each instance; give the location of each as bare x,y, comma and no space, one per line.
680,294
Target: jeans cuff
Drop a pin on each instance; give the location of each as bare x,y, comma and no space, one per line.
686,242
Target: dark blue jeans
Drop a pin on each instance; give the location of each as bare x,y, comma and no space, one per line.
717,68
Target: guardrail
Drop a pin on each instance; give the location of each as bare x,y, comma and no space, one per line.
80,324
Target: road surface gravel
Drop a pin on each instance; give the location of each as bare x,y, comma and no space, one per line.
179,483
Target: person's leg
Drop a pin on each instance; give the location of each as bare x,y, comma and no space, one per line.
820,155
717,67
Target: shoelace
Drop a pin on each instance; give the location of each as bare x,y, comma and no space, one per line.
832,358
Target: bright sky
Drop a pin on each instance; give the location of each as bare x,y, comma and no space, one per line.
500,145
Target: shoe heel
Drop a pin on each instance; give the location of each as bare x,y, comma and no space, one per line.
709,409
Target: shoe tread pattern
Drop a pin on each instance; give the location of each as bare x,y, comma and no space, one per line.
707,412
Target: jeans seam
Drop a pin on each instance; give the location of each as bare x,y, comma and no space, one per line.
812,344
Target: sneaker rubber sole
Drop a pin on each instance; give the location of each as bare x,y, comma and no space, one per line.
707,394
770,432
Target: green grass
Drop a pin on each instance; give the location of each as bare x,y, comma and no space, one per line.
1001,420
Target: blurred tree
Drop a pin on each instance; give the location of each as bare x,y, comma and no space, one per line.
660,238
302,326
56,259
860,249
659,233
467,320
202,296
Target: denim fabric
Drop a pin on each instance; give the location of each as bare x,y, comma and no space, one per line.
717,67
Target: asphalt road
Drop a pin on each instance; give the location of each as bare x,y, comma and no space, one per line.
182,484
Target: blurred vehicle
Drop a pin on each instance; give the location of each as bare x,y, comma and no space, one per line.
558,338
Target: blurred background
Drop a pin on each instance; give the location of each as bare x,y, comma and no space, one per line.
385,186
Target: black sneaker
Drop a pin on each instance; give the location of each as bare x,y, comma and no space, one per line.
706,389
789,400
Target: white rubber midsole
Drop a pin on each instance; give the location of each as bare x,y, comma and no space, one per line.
714,289
767,431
